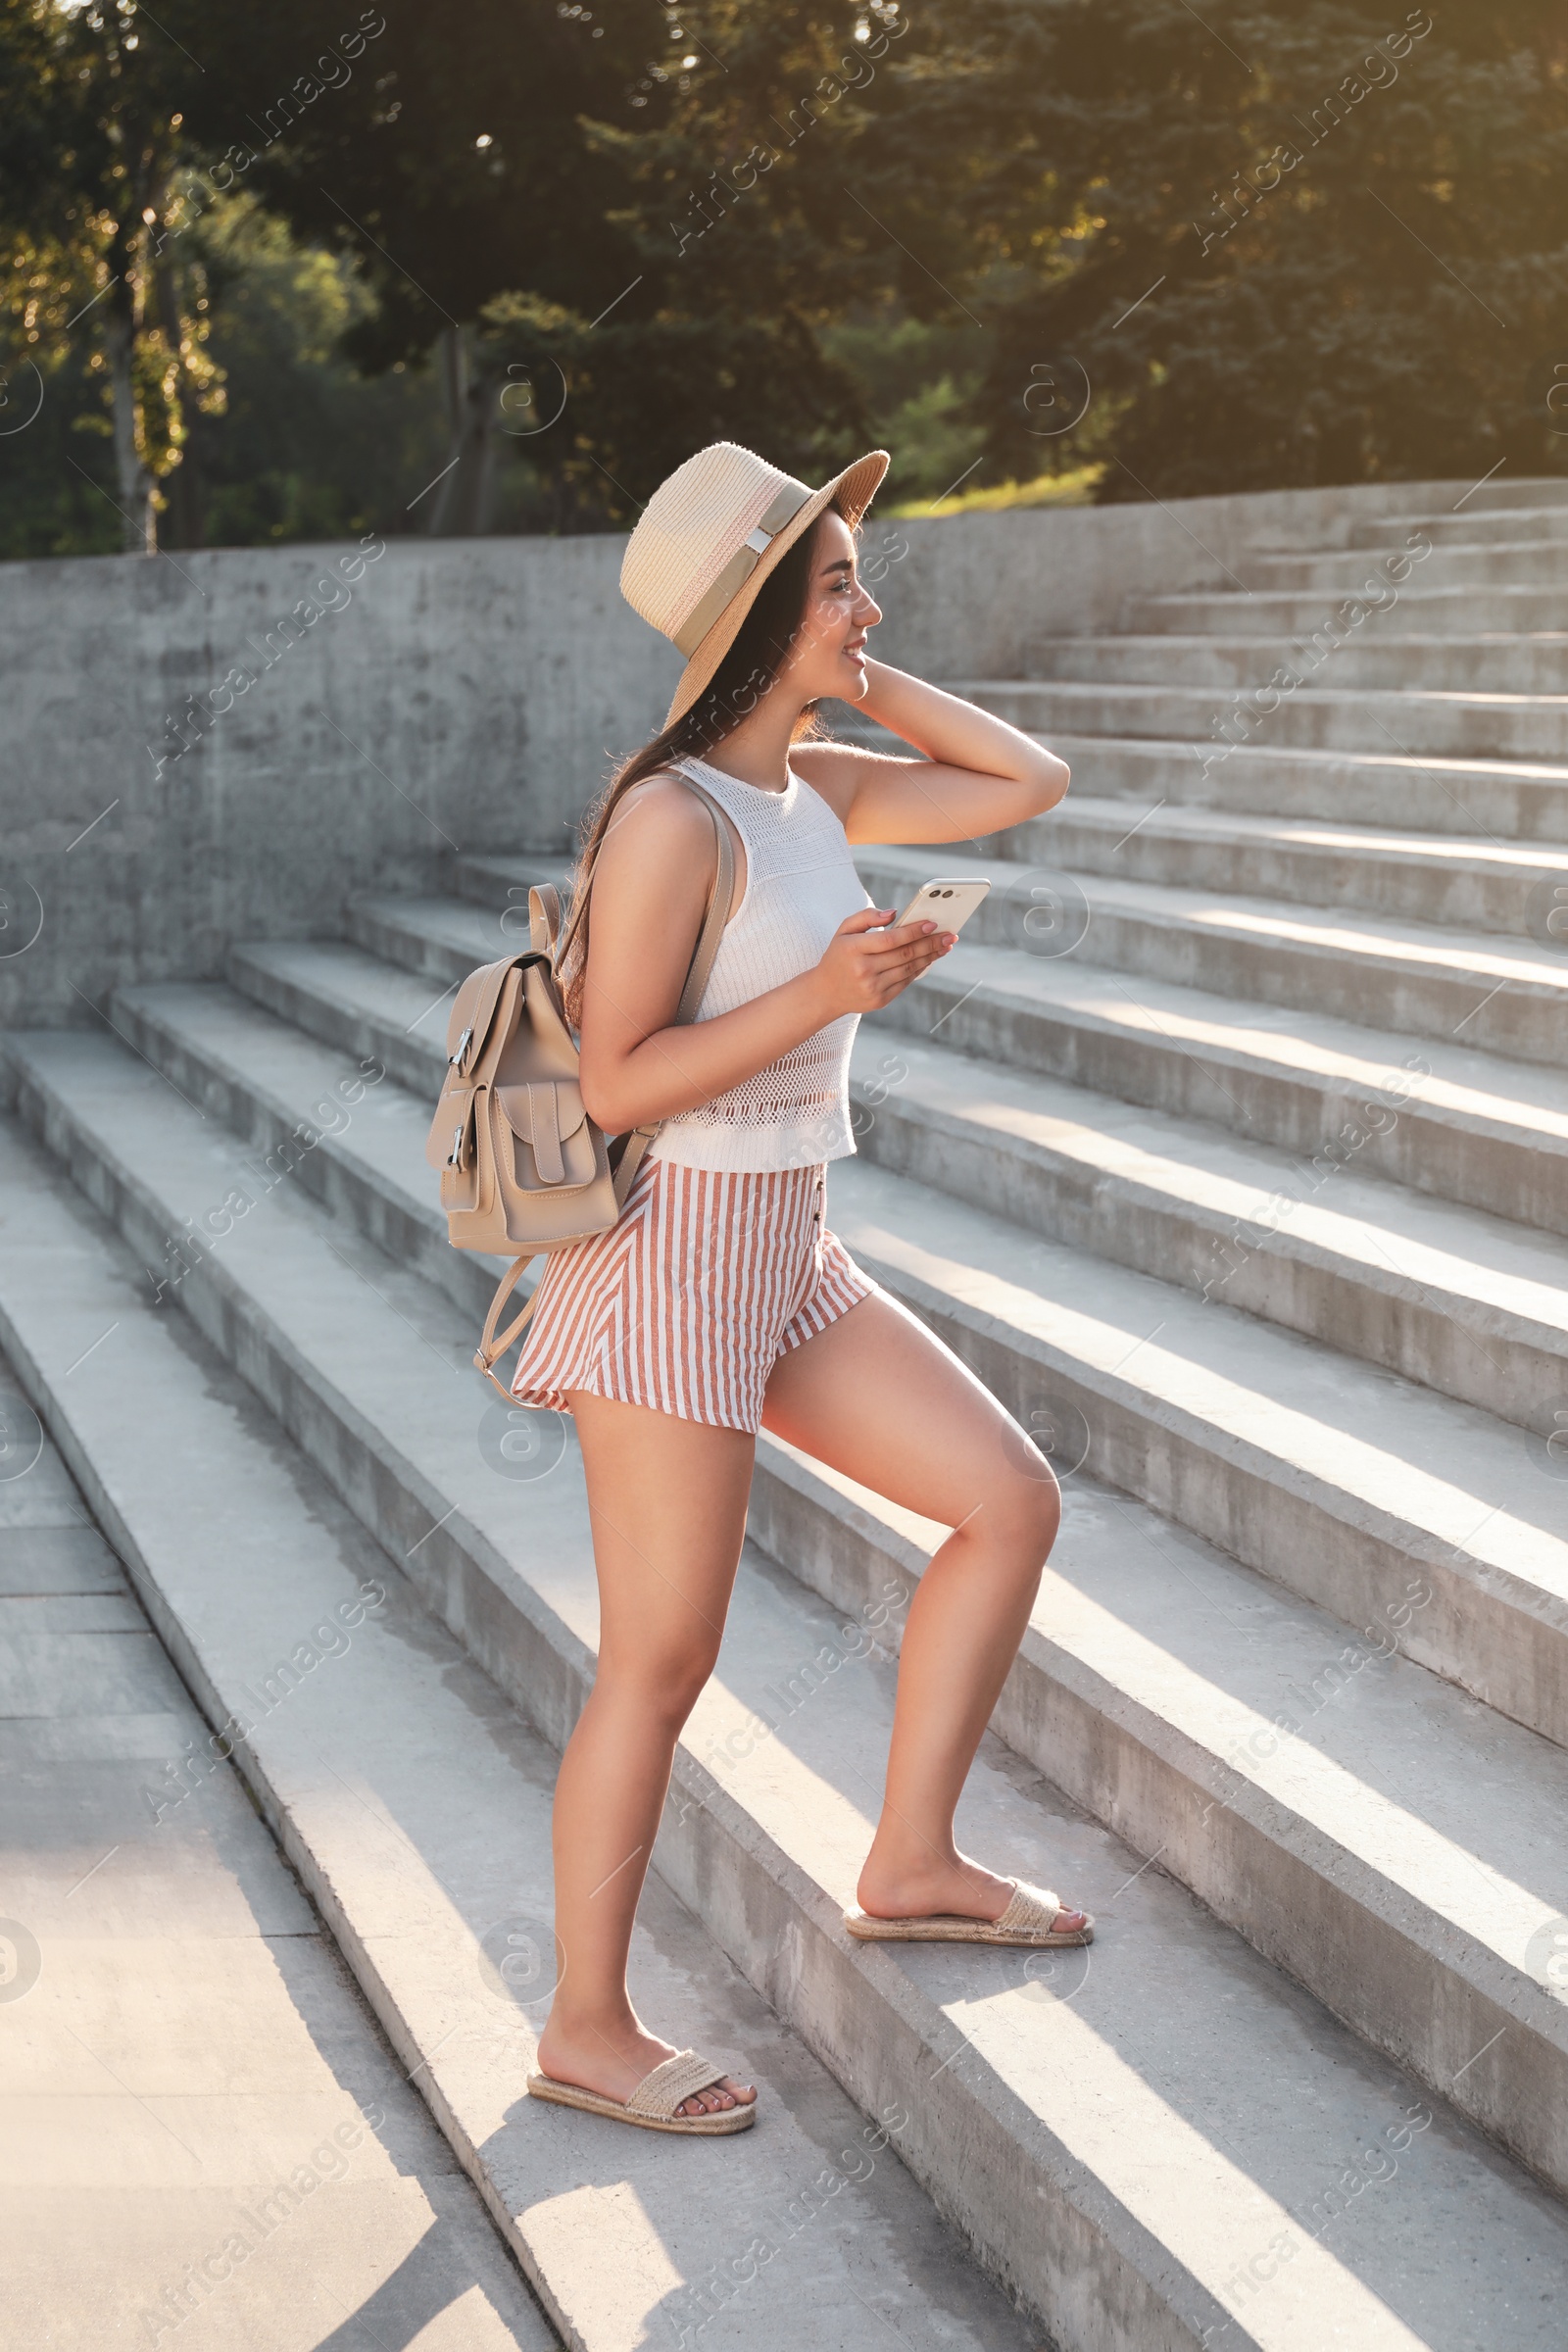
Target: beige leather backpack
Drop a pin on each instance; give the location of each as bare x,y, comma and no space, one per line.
523,1165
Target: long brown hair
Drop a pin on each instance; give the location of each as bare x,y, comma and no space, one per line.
747,672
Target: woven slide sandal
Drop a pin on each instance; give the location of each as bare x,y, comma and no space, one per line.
1026,1919
653,2104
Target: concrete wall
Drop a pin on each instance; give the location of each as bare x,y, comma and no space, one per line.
977,592
450,693
464,696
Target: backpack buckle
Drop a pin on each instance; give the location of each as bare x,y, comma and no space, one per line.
455,1157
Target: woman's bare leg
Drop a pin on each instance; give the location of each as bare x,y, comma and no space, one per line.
877,1397
667,1499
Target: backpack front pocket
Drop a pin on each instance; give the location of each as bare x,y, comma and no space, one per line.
542,1136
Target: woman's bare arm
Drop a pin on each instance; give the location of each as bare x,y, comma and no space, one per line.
979,776
653,874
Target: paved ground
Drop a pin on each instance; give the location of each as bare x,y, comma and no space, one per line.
206,2138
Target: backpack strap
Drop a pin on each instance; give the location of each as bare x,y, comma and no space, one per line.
544,918
544,925
721,895
490,1348
633,1147
721,905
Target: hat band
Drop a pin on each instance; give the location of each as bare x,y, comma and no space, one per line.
785,503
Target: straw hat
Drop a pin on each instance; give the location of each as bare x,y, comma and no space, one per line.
710,537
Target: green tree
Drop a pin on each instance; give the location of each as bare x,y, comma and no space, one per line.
546,205
447,163
307,447
91,193
1277,246
734,200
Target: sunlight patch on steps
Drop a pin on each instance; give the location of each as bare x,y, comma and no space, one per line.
1103,1151
1194,2198
1279,1430
757,1759
1088,992
602,2238
1447,1876
1496,961
1148,748
1440,1872
1287,832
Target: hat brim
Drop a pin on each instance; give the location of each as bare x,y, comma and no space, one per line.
854,490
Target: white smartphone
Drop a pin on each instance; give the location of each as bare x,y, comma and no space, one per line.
948,902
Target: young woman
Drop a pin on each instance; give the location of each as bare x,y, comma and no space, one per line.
720,1300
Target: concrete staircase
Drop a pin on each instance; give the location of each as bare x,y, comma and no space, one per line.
1228,1148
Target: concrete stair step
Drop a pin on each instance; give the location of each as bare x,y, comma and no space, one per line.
392,1018
501,883
1422,723
1500,491
1478,885
443,939
313,1114
1123,1691
1452,610
1467,1304
413,1802
1471,884
1502,995
267,1084
194,2038
1500,801
1467,1127
1481,561
1099,2146
1338,1479
1502,1611
1467,524
1342,648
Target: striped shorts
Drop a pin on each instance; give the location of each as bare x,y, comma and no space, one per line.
691,1298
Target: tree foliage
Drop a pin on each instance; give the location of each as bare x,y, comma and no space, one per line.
540,199
92,144
1262,246
1316,245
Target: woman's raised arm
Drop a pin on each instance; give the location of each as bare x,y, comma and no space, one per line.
979,775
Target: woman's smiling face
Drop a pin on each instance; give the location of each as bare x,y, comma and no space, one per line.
828,656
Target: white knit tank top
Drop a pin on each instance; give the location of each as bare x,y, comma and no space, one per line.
801,883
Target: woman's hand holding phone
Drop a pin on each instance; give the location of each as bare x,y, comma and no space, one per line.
870,960
875,953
